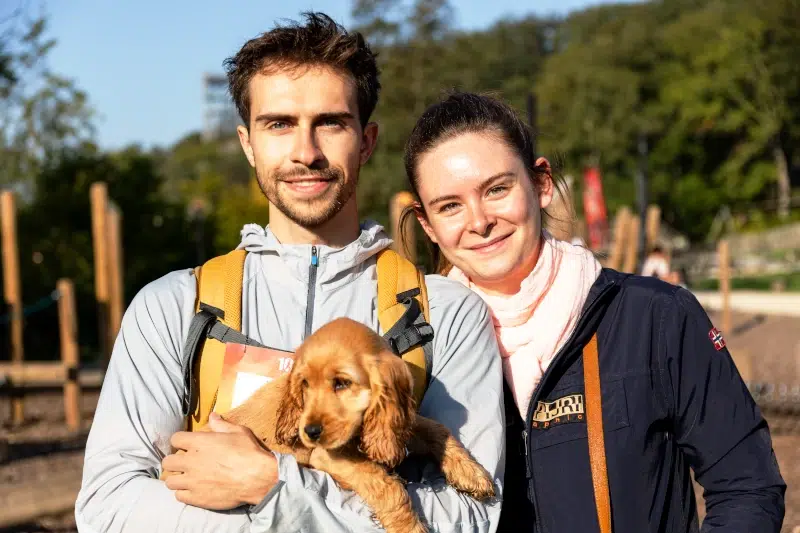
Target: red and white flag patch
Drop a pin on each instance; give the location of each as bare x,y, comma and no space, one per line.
716,337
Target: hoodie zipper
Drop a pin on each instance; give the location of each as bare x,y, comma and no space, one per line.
312,283
529,415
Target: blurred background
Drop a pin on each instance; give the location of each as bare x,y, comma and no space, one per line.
675,124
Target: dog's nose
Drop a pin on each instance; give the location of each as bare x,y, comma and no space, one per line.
313,431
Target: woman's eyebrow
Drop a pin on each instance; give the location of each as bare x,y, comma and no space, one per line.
482,185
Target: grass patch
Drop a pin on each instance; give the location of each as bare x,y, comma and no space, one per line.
753,283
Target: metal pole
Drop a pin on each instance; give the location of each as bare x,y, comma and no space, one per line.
641,194
532,120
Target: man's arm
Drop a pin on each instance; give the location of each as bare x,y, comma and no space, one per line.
719,426
138,411
465,394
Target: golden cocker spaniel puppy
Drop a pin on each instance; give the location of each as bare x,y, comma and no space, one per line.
347,408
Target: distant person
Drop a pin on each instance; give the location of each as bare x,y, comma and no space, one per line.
305,93
656,264
578,340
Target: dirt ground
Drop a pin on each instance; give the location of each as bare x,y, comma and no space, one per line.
43,449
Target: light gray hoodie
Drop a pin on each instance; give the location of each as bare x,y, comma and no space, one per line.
140,402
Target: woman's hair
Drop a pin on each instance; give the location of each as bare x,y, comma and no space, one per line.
461,113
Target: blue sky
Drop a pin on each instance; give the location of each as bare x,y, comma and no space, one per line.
142,61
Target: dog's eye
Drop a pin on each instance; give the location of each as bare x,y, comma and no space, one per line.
340,384
304,384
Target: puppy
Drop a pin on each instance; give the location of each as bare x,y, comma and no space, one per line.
347,408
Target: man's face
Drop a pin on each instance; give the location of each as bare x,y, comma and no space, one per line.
306,142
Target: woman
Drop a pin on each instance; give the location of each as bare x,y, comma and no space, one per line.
671,397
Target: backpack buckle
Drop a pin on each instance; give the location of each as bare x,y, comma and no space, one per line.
414,335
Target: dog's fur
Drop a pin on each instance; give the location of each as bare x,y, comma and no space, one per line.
348,386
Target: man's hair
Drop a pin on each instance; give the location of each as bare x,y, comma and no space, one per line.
319,42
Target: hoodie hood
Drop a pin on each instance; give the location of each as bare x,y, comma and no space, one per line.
333,262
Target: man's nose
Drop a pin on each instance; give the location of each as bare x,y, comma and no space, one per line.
306,150
314,431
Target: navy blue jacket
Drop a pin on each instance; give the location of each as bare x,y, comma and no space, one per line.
672,401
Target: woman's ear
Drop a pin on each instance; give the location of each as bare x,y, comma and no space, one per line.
544,183
389,419
422,218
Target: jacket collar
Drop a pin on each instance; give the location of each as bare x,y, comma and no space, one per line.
333,262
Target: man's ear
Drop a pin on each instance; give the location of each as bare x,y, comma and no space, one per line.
369,140
244,140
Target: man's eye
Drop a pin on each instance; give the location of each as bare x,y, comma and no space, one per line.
331,123
278,125
341,384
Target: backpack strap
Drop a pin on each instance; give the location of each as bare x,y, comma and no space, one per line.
219,298
594,429
403,315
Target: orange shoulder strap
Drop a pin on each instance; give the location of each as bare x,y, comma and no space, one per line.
594,425
219,284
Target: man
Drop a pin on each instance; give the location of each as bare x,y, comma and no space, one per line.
305,93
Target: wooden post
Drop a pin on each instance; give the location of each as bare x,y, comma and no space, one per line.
631,251
652,226
116,295
620,234
399,202
723,256
744,366
13,292
98,195
68,331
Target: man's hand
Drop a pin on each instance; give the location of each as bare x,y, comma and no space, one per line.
222,468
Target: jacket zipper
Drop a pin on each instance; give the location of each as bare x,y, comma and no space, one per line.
534,398
312,283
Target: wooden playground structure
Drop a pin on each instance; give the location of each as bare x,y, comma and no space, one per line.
20,378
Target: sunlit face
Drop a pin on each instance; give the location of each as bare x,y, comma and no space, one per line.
306,142
482,208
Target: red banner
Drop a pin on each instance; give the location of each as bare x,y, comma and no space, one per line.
594,208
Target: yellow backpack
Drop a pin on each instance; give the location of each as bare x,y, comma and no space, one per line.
402,312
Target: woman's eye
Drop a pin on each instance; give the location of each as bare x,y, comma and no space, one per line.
340,384
447,207
497,190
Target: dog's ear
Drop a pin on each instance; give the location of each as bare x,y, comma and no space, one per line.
289,411
390,416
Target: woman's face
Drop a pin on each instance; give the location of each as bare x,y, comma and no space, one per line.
482,208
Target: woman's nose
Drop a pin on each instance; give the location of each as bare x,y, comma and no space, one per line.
480,222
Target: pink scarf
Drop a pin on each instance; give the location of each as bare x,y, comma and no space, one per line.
533,324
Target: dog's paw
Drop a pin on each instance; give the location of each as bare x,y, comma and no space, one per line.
480,487
465,474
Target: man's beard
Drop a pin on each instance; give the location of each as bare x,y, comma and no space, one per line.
308,213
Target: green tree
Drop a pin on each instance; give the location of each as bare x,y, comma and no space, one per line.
40,111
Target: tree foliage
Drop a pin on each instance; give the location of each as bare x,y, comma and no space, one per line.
41,111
